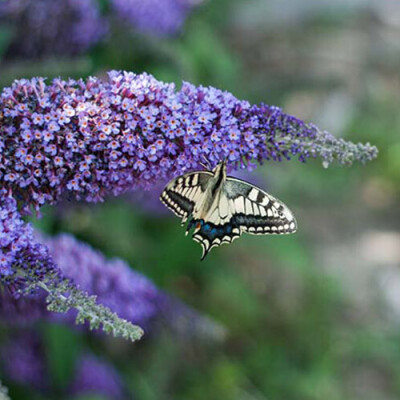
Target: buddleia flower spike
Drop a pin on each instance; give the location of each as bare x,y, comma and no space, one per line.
91,138
221,208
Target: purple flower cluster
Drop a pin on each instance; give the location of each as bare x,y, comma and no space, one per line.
18,249
48,27
94,376
156,17
68,27
24,363
87,139
131,295
22,310
126,292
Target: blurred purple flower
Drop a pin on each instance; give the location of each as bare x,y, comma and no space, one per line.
94,376
18,248
48,27
156,17
128,293
148,200
24,362
22,310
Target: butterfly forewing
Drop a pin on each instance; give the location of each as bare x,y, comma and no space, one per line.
182,193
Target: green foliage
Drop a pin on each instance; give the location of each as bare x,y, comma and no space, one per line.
62,349
379,121
5,37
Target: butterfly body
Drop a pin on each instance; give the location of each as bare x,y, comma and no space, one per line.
221,208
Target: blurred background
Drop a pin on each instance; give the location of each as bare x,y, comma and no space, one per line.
310,316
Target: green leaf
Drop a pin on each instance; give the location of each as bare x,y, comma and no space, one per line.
6,34
62,349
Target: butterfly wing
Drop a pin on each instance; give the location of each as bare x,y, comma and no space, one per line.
183,192
242,207
256,211
209,234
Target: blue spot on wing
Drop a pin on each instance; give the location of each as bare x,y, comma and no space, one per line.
210,231
207,228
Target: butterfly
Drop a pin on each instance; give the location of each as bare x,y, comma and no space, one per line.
221,207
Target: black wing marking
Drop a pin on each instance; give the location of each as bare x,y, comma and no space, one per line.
256,211
182,193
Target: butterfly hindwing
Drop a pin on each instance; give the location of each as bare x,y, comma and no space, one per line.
182,193
210,235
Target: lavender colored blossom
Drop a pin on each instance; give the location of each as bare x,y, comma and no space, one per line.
128,293
35,275
156,17
24,362
94,376
148,201
18,249
133,130
48,27
22,310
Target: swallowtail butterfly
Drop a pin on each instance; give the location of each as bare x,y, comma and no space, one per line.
221,208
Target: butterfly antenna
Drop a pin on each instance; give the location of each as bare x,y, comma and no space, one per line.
206,164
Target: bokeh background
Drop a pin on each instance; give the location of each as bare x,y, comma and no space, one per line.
311,316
